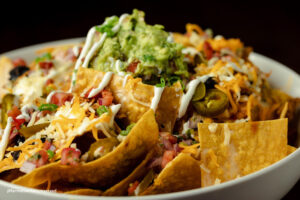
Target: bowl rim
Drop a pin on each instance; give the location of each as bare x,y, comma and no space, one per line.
175,195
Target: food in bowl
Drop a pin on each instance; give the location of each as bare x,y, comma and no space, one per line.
136,110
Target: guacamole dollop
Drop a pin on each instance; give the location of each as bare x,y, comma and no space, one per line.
144,50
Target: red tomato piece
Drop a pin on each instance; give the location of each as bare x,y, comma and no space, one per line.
47,145
19,62
132,66
208,50
49,81
107,98
166,135
14,113
46,65
60,98
132,187
70,156
39,159
168,156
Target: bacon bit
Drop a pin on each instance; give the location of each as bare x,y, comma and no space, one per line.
132,188
70,156
208,50
60,98
168,156
46,65
19,62
132,66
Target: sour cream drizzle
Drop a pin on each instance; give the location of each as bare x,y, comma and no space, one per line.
24,112
105,81
5,137
125,80
49,97
88,52
191,88
157,95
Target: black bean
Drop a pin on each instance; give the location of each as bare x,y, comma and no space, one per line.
210,83
19,138
16,155
17,71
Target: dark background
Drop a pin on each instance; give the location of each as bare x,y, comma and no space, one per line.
271,28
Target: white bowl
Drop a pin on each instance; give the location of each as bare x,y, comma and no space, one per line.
272,182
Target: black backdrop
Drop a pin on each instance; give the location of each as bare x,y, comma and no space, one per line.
271,28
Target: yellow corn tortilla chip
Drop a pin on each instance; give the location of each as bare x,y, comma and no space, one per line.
89,192
121,188
5,66
182,173
231,150
134,96
107,170
290,149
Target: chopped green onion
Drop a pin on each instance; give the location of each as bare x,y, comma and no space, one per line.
174,79
128,129
48,106
50,154
101,110
162,83
46,56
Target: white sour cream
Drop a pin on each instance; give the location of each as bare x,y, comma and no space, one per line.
105,81
157,95
191,88
5,137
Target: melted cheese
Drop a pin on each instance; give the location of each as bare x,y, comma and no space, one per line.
212,127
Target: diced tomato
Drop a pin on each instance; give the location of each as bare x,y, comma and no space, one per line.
19,62
40,158
47,145
168,156
208,50
60,98
70,156
132,187
132,66
14,113
13,133
172,139
107,98
46,65
49,81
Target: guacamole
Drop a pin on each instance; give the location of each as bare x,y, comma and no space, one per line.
144,50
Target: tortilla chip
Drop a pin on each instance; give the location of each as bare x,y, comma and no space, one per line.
5,66
121,189
183,173
290,149
237,149
89,192
134,96
107,170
